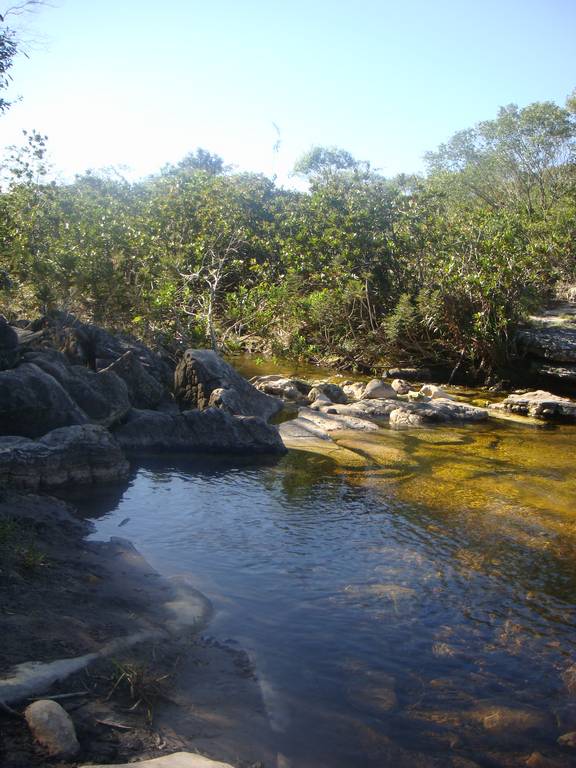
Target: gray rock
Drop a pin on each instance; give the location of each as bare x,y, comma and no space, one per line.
8,345
551,343
102,396
565,374
378,389
317,397
144,390
333,392
435,412
67,456
32,403
212,431
280,386
329,422
354,390
538,405
379,410
400,386
434,392
201,371
175,760
52,728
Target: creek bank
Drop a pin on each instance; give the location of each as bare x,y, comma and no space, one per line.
120,626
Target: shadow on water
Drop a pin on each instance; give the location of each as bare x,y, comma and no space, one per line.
410,610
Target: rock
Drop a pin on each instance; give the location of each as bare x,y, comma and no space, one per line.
333,392
538,760
33,403
569,678
434,392
280,386
514,723
67,456
52,728
317,398
376,389
102,396
410,374
212,431
378,410
336,422
89,345
564,374
175,760
144,390
354,390
557,344
568,740
400,386
435,412
8,345
415,396
201,371
538,405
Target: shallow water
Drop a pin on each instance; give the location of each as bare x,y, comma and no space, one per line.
416,606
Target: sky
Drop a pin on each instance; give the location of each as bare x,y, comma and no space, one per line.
137,84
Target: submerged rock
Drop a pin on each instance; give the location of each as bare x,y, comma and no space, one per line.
538,405
211,430
80,454
201,371
52,728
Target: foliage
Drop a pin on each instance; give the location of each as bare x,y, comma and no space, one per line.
438,268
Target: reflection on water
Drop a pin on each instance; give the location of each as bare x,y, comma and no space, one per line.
416,607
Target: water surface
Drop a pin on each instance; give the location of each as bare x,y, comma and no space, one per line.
415,608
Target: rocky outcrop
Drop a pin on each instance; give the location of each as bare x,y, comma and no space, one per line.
68,456
538,405
8,345
281,386
144,390
210,431
202,371
33,403
557,344
102,396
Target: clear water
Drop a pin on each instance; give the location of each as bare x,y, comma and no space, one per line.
397,596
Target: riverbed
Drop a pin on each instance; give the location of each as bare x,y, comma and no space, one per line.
409,600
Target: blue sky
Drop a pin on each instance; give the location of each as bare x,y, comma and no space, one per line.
139,83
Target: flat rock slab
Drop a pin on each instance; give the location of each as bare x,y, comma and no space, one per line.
335,422
210,431
82,454
538,405
555,344
437,411
175,760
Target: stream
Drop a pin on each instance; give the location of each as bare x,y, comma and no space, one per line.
417,608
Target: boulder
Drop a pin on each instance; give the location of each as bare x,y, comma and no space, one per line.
102,396
52,728
378,389
332,391
8,345
557,344
66,456
211,430
400,386
316,397
538,405
280,386
379,410
354,390
434,392
144,390
33,403
332,422
201,371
